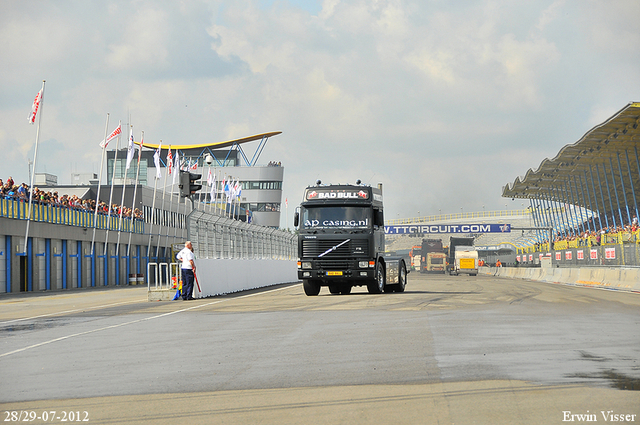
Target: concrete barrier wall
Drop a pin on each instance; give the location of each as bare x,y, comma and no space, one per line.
224,276
620,278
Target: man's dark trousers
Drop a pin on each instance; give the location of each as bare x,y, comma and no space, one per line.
187,284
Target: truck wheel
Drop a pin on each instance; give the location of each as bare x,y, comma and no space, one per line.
402,279
376,286
334,289
346,290
311,287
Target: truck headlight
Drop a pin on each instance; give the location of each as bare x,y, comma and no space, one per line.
306,265
363,264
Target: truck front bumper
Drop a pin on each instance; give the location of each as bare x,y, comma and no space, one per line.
362,269
336,274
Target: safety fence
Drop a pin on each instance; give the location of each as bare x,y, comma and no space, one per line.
19,209
619,254
214,236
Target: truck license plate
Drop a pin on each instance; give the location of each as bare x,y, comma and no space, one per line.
334,273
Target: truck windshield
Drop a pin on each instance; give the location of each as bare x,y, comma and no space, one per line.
336,217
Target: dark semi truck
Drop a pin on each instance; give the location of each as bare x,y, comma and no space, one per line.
341,241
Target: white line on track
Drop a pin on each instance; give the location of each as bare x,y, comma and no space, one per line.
135,321
72,311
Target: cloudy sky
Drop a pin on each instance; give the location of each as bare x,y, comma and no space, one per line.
442,102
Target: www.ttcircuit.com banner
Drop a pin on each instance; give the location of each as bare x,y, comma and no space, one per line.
447,228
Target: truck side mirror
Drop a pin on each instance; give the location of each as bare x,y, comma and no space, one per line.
296,219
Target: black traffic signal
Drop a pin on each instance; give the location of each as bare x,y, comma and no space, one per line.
187,183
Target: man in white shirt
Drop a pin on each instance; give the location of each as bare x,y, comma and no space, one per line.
188,269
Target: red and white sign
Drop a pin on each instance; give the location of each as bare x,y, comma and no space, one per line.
530,257
518,258
568,255
558,256
594,254
610,253
580,254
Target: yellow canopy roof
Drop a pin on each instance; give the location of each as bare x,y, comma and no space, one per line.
214,145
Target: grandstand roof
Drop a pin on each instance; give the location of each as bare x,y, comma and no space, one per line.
606,157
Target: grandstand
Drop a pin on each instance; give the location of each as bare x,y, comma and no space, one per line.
587,195
590,185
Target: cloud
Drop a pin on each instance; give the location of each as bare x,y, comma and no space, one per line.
421,96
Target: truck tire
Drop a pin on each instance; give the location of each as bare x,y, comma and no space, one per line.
334,289
311,287
376,286
345,290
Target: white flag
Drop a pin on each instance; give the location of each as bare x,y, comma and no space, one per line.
156,161
214,191
112,136
130,149
176,167
209,177
35,107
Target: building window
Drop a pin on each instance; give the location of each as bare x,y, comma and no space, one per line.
262,185
261,207
121,165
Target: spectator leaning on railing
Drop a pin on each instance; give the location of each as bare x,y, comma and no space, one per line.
9,190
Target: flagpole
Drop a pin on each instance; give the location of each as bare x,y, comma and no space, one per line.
171,192
200,191
133,203
124,188
235,199
113,176
212,190
95,213
33,171
176,172
164,192
215,206
229,199
153,213
238,193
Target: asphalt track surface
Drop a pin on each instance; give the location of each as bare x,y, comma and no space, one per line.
449,350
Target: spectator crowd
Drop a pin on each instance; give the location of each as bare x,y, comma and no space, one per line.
589,236
10,190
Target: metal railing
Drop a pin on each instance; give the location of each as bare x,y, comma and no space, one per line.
18,209
214,236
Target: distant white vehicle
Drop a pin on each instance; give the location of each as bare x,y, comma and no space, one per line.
466,260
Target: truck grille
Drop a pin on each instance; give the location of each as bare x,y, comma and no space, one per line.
314,247
333,265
